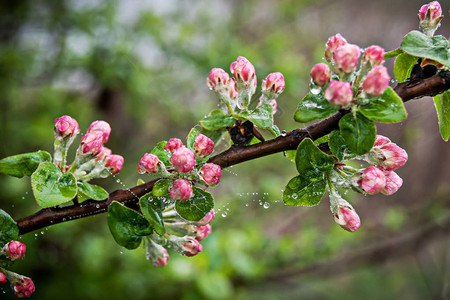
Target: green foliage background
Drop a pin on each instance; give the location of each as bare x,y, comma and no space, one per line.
141,66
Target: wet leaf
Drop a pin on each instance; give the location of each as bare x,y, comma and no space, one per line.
23,164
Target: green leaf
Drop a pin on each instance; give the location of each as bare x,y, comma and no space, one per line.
8,228
196,207
94,192
140,181
217,121
275,131
314,106
442,103
358,132
337,145
162,155
51,187
403,66
322,139
127,226
23,164
260,117
291,154
191,138
152,208
302,191
387,108
311,162
419,44
161,187
393,53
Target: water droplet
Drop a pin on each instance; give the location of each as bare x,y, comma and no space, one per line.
118,180
294,196
121,252
219,209
63,219
315,91
228,209
42,232
224,214
97,206
246,205
266,205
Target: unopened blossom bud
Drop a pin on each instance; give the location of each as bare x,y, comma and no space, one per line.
3,278
183,159
181,190
149,163
217,80
273,85
377,80
172,145
274,104
374,55
391,157
233,93
347,218
371,180
202,232
333,43
210,174
157,254
206,219
101,126
114,163
65,128
92,143
203,145
23,286
393,183
320,74
346,58
14,250
104,153
191,246
339,93
430,16
381,140
245,76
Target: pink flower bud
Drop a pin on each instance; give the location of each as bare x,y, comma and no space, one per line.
149,163
273,84
346,58
377,80
172,145
14,250
183,159
203,145
381,140
393,183
244,71
210,174
339,93
374,55
65,127
157,254
372,180
191,247
347,218
320,74
333,43
234,94
217,79
274,104
114,162
23,287
3,278
206,219
202,232
181,190
92,143
392,157
430,16
102,127
104,154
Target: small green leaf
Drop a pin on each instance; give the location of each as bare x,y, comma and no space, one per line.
217,121
152,208
161,187
393,53
8,228
191,138
302,191
442,104
291,154
51,187
162,155
23,164
94,192
387,108
196,207
419,44
314,106
403,66
337,145
311,162
140,181
321,140
358,132
127,226
260,117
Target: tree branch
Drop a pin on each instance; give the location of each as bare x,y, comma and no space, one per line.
236,154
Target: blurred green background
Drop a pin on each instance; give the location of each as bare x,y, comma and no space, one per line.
141,66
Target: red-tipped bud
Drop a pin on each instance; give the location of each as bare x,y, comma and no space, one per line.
393,183
243,71
391,157
106,152
339,93
320,74
181,190
206,219
191,247
210,174
14,250
92,143
234,94
347,218
377,80
101,126
202,232
273,85
157,254
3,278
115,163
203,145
218,79
183,159
65,127
172,145
346,58
149,163
374,55
23,287
381,140
333,43
371,180
430,16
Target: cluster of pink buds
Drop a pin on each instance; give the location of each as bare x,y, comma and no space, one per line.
430,16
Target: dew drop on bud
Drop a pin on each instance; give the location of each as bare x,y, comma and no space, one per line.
315,91
224,214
